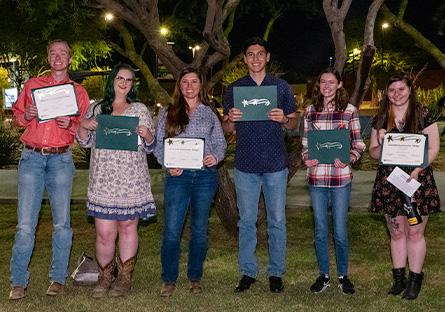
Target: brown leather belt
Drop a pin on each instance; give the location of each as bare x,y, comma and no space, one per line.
48,150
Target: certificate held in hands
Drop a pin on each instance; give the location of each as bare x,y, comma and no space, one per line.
327,145
255,102
117,132
405,149
184,153
55,101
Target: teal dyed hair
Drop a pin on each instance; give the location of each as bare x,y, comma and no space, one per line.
106,104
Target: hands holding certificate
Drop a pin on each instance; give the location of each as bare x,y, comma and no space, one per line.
337,163
90,124
208,161
275,114
31,112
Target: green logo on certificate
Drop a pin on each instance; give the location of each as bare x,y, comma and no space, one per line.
117,132
255,102
327,145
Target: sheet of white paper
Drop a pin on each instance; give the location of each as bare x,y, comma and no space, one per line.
398,178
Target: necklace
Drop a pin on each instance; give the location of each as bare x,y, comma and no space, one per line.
400,124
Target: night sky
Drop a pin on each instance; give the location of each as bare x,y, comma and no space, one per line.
304,44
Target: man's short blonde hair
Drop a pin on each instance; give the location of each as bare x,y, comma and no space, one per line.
50,44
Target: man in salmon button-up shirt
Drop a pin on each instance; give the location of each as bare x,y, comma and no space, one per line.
46,162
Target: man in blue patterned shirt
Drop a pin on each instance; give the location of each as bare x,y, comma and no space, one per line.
261,164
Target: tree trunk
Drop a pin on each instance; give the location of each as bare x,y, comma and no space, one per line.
363,82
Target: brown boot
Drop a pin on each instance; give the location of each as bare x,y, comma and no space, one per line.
105,280
122,285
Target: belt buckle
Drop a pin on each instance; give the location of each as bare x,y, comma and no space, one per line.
42,151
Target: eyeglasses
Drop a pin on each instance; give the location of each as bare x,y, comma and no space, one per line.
127,80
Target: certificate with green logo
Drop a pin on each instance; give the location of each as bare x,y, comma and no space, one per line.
117,132
255,102
327,145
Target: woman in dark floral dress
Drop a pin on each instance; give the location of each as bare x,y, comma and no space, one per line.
401,113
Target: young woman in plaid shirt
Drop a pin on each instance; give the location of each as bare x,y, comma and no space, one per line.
330,184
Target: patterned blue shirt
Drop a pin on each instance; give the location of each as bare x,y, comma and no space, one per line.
203,123
260,145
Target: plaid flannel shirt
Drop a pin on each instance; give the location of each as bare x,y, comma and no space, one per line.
327,175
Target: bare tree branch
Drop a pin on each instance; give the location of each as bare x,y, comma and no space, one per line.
335,17
418,38
363,81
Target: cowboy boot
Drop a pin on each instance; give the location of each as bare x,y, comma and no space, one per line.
104,281
414,284
399,285
122,285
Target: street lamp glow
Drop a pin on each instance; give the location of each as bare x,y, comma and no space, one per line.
164,31
385,25
108,17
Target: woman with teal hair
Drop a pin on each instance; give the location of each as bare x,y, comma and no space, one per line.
119,190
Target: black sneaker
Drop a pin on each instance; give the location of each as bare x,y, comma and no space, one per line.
244,283
321,283
276,284
345,285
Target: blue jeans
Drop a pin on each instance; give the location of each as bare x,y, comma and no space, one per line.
339,199
248,189
194,189
37,171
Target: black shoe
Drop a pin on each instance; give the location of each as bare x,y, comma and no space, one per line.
345,285
413,287
321,283
276,284
400,282
244,283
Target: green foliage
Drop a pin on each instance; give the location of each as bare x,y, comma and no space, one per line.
430,98
240,69
95,85
86,54
4,79
234,73
81,156
28,26
9,145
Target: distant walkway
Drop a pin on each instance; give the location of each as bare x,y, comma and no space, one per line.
297,191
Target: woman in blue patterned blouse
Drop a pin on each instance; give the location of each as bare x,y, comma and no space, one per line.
190,116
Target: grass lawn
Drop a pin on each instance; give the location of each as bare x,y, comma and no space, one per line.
370,270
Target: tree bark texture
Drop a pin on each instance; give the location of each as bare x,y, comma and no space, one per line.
363,81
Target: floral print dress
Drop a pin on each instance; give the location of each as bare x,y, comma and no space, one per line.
388,199
119,183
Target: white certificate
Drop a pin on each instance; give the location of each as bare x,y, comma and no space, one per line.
398,178
185,153
405,149
54,101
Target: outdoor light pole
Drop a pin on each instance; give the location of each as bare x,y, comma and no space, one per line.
164,31
384,27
